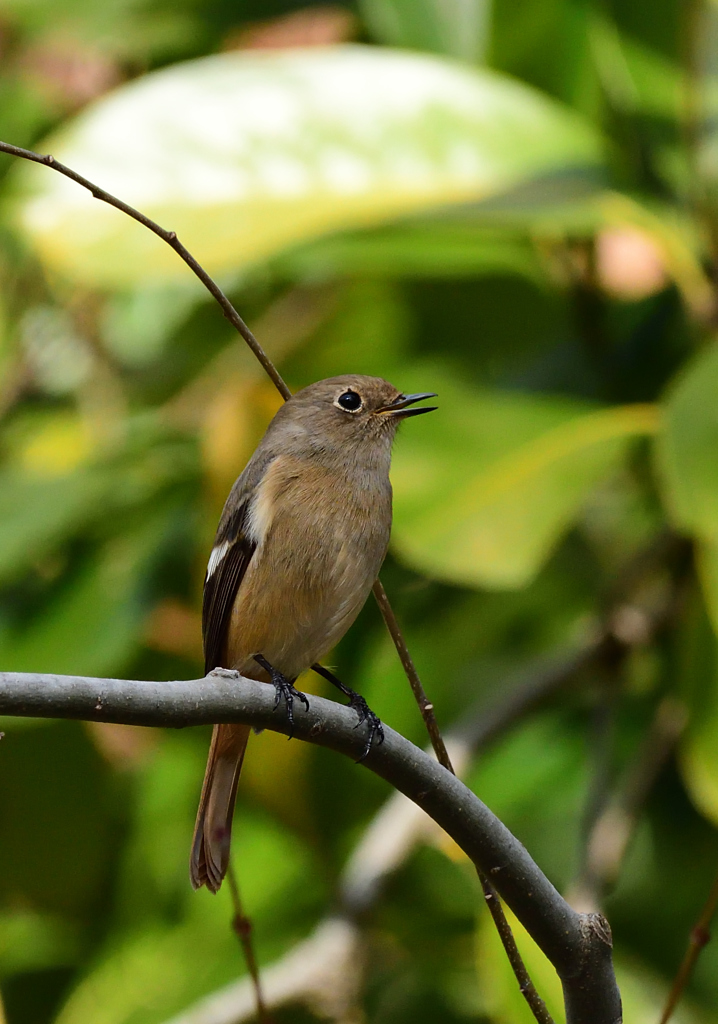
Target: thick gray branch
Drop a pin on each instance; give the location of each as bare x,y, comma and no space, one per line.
579,946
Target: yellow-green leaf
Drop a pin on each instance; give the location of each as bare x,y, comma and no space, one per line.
687,447
485,489
498,989
643,993
707,565
244,154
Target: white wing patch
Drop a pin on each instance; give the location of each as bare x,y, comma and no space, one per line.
216,557
261,510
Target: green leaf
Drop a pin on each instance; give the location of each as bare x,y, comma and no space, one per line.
643,993
93,625
485,490
686,447
454,27
154,974
159,969
33,941
687,466
433,249
37,514
697,673
246,154
707,566
699,765
499,990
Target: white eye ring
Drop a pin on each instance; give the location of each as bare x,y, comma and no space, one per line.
352,401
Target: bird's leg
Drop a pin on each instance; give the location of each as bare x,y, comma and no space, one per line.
284,688
361,707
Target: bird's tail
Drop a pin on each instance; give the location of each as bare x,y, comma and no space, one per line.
213,829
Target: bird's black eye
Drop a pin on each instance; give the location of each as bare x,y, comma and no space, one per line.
349,401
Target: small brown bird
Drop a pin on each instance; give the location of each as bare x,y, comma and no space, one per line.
300,542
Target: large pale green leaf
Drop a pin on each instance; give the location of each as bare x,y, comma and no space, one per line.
434,249
244,154
485,489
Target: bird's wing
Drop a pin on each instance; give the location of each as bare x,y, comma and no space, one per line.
233,549
231,554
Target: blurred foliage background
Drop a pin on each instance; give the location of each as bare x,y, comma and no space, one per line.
511,203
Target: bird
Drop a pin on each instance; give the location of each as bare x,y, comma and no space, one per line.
299,545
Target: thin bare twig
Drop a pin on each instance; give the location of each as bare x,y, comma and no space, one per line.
526,985
611,818
700,937
601,756
425,706
170,237
242,927
323,972
611,834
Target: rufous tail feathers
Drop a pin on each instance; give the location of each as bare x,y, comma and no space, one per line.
213,829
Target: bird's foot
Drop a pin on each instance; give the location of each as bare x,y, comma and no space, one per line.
283,688
364,712
374,726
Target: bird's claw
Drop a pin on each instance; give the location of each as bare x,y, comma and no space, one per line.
356,701
374,726
283,688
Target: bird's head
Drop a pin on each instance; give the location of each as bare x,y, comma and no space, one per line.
353,410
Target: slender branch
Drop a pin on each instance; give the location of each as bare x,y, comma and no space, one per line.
601,755
526,985
700,937
323,971
611,834
425,706
578,945
242,927
521,694
171,239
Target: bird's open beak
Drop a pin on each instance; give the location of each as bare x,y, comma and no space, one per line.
400,406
